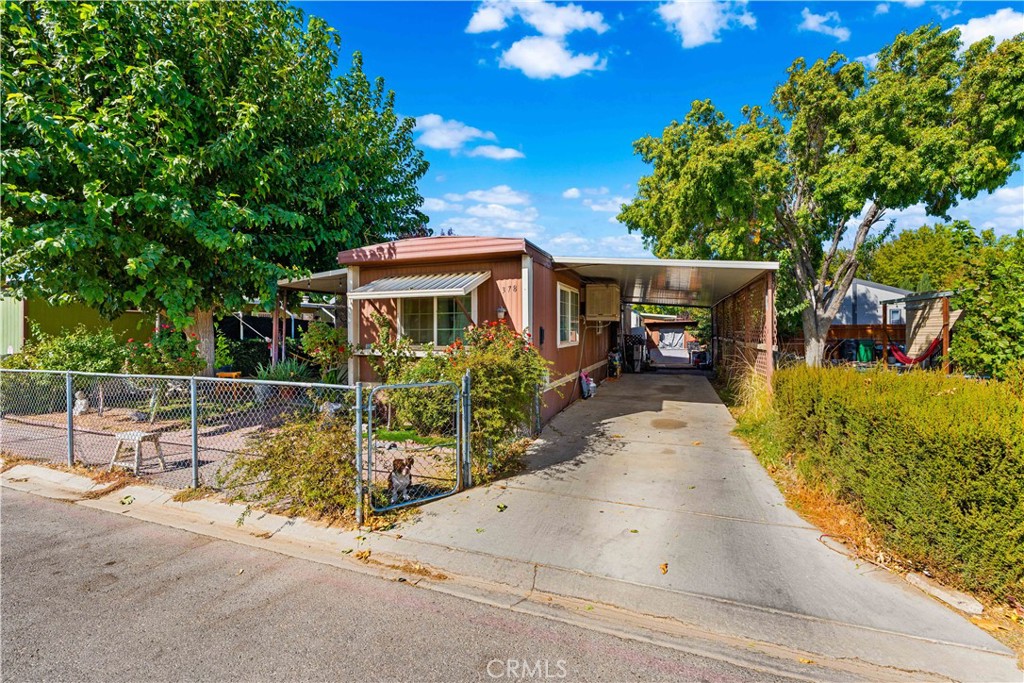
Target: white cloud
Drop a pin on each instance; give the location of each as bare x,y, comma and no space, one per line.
881,8
495,152
1003,25
571,193
489,227
499,194
574,244
436,132
527,214
433,204
870,61
823,23
611,205
547,18
946,11
490,16
912,3
699,23
544,57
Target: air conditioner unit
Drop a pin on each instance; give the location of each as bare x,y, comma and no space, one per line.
603,303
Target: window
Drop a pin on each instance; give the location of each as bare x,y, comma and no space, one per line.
568,316
437,320
894,316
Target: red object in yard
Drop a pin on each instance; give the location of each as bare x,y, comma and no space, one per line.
907,360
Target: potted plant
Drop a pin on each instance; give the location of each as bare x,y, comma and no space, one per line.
223,356
289,370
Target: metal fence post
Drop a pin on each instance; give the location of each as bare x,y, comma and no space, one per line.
359,453
195,432
467,431
70,396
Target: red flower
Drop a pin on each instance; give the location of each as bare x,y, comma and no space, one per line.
130,340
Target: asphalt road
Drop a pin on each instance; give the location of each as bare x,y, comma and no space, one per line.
87,595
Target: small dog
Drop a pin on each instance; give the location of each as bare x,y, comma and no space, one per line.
400,479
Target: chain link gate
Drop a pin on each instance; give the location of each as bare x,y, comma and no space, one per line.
417,448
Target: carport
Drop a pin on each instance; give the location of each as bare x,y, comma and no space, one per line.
740,294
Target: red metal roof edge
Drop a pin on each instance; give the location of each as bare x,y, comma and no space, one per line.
446,248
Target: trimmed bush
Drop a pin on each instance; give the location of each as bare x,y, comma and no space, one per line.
305,467
935,463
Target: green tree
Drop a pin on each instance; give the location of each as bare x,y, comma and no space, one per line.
182,157
930,124
933,257
990,335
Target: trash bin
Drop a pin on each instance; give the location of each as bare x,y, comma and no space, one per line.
865,350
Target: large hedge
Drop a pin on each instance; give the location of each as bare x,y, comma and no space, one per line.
936,463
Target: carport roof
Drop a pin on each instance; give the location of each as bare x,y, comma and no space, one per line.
669,282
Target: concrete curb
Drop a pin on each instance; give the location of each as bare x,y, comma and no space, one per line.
694,623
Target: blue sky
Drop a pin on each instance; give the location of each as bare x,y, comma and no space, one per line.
527,111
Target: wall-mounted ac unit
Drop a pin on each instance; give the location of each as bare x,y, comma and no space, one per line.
603,303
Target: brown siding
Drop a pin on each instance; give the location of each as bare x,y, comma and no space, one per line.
565,361
504,288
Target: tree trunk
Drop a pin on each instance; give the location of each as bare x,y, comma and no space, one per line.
204,331
815,334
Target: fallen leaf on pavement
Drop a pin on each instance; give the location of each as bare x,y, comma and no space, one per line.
663,567
363,554
127,500
696,443
502,507
634,531
240,572
479,531
806,661
346,551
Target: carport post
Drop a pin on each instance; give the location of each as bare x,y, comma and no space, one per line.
359,453
193,394
70,396
769,325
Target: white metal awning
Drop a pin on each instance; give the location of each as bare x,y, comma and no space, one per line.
412,286
327,282
672,282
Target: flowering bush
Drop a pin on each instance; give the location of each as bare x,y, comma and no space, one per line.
327,346
505,369
167,352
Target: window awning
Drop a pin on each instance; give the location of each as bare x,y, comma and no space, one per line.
414,286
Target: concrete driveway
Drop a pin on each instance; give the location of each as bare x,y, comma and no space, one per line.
647,473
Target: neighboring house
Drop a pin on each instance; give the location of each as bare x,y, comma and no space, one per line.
862,304
18,318
430,289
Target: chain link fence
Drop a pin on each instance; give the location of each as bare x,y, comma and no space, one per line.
182,432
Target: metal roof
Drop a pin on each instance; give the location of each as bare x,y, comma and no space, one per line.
409,286
327,282
669,282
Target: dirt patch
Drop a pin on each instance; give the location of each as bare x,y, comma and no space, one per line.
667,423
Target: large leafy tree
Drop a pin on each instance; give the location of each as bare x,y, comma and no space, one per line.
990,335
844,144
932,257
180,157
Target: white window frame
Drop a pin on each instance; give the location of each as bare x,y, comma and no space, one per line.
558,312
401,314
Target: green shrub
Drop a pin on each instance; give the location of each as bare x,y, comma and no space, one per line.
287,370
306,467
167,352
223,353
81,349
428,411
935,463
327,346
